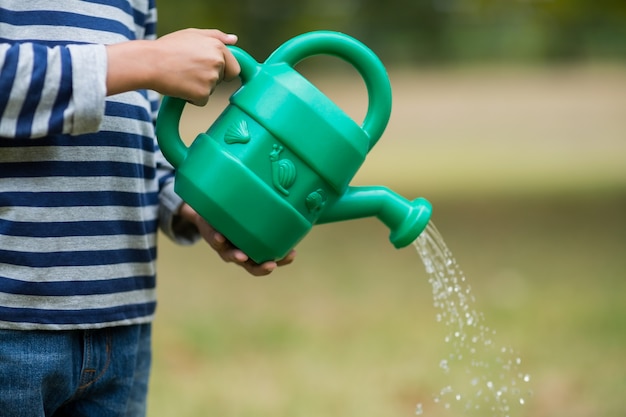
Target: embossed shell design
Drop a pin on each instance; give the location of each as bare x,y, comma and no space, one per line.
238,132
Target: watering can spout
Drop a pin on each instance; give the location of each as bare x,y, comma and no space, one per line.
405,219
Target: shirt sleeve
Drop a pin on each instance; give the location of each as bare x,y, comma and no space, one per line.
51,90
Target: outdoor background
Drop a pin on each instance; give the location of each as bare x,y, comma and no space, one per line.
510,117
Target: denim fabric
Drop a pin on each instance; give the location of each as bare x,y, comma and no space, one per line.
90,373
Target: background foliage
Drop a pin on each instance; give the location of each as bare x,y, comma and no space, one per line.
423,31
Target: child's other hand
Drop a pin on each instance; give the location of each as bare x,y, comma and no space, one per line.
227,251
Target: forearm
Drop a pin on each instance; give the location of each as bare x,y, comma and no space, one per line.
130,66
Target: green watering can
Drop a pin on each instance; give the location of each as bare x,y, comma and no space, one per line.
280,158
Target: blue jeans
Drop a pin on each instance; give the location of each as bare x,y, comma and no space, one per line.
91,373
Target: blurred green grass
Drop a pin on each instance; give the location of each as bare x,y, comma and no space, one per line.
525,170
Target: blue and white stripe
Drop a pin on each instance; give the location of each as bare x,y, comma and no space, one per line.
83,187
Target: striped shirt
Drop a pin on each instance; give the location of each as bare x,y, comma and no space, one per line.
83,186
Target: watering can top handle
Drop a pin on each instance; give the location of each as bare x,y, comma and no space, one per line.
342,46
360,57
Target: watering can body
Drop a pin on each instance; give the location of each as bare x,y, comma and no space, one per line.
281,156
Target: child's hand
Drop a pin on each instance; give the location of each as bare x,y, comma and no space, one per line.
187,64
227,251
191,62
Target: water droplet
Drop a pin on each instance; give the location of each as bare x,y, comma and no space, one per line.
526,378
419,409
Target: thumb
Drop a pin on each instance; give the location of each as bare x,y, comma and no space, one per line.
226,38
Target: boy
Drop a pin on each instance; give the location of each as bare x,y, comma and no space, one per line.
83,190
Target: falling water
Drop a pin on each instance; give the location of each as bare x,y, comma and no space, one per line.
484,378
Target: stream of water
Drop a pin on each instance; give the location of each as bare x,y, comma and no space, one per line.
482,378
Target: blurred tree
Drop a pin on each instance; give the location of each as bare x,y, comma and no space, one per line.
405,30
581,29
421,31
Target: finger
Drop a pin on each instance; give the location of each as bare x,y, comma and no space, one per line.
226,38
291,256
221,244
200,102
230,39
260,270
229,253
231,66
216,240
237,256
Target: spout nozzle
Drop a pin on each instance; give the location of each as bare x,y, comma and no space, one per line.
405,219
413,223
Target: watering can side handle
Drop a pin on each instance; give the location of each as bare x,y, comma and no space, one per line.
168,136
358,55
